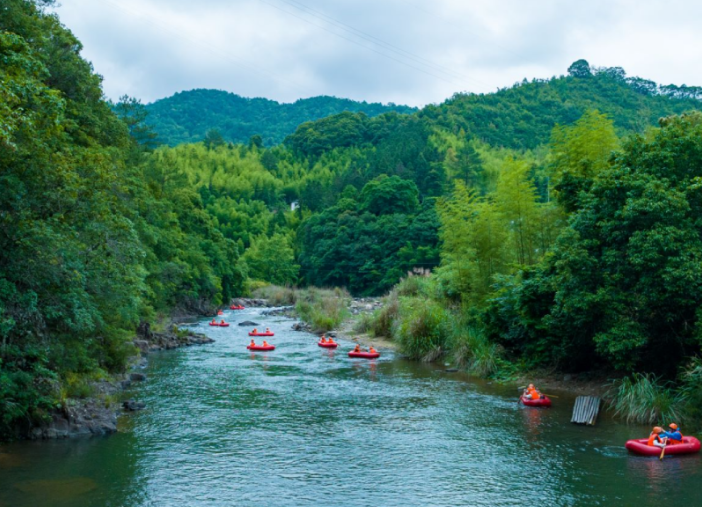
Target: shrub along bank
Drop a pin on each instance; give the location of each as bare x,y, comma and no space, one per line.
617,289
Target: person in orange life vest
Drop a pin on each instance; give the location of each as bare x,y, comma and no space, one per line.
253,343
214,321
323,339
357,349
674,436
222,322
655,439
255,331
532,393
265,343
330,340
268,330
371,350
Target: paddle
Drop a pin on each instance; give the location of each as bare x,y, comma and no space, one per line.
663,451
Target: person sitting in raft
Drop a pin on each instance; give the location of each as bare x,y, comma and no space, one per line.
265,343
253,343
255,331
371,350
322,339
655,438
674,436
268,330
532,393
357,349
214,321
330,340
222,322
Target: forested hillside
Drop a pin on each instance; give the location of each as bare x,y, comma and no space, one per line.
186,117
559,219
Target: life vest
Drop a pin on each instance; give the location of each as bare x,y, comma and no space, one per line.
654,438
534,394
673,441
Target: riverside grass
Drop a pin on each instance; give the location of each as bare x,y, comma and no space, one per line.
645,399
322,309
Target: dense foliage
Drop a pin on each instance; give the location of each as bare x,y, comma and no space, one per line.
91,240
186,117
555,237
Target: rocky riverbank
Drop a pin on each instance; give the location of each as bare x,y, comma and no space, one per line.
97,414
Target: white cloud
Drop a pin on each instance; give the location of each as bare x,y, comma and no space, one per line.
403,51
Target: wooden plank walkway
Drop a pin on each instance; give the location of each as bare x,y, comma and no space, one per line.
586,410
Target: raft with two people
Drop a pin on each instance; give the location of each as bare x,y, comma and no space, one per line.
219,324
532,397
327,343
256,332
265,347
659,443
236,307
358,353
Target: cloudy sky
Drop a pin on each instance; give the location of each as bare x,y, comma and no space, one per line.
404,51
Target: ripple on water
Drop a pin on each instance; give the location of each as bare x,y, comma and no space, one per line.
308,426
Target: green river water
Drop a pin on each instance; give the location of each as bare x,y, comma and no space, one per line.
305,426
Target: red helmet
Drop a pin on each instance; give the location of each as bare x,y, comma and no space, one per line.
673,426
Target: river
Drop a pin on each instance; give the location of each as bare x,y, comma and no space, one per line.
305,426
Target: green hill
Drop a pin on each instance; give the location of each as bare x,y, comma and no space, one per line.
520,117
187,116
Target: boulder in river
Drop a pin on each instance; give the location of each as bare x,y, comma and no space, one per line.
137,377
133,406
249,323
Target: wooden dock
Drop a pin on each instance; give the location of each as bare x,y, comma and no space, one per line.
586,410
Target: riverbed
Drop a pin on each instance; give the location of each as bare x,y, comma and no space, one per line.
306,426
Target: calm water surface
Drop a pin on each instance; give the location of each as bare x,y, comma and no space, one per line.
305,426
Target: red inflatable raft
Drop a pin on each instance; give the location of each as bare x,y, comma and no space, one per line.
328,345
365,355
217,324
690,445
261,334
235,307
261,347
542,402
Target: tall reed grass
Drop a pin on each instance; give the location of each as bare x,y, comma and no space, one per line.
470,349
645,399
322,309
421,329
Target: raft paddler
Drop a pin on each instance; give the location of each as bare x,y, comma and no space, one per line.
674,436
655,438
265,343
532,393
358,348
371,350
252,344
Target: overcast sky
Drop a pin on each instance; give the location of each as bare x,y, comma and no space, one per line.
404,51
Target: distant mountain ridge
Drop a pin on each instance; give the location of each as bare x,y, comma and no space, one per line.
187,116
